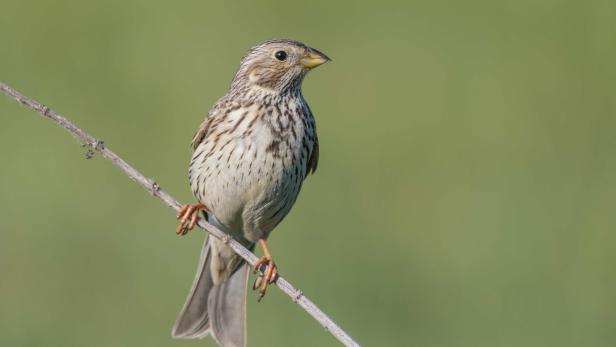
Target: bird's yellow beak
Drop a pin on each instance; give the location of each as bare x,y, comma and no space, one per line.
314,58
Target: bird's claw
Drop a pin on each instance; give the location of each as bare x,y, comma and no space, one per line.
267,273
189,216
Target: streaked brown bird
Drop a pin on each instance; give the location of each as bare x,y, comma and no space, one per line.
250,157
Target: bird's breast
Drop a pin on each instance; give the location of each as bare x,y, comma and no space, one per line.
250,168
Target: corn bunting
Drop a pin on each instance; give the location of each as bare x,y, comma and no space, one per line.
250,157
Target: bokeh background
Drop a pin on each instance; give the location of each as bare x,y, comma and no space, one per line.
465,194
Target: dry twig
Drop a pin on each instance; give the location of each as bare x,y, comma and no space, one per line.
96,146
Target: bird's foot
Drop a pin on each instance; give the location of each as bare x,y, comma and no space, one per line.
267,273
189,216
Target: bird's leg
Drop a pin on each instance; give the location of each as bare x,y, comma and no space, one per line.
189,216
266,275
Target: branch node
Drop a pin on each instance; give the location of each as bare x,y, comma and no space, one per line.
155,187
99,145
93,147
298,295
45,110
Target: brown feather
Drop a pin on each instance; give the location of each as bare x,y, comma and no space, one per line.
201,132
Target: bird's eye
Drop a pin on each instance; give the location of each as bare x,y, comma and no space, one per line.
281,55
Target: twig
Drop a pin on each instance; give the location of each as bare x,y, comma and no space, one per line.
95,145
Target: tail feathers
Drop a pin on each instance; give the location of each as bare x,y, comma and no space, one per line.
193,321
227,309
217,310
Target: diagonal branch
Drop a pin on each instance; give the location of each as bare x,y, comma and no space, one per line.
95,145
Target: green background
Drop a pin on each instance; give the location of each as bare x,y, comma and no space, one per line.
465,194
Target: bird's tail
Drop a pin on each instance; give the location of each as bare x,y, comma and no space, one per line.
215,309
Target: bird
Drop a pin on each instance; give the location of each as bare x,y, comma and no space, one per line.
250,157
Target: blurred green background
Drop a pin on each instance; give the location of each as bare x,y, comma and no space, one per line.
465,194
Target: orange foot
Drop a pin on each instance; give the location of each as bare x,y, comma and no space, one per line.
189,216
266,275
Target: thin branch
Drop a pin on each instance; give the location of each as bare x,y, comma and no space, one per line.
95,145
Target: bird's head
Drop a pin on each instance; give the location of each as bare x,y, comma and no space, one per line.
277,66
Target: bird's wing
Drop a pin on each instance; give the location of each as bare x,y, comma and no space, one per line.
201,132
210,123
313,161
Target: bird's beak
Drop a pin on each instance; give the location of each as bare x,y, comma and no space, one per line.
314,58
